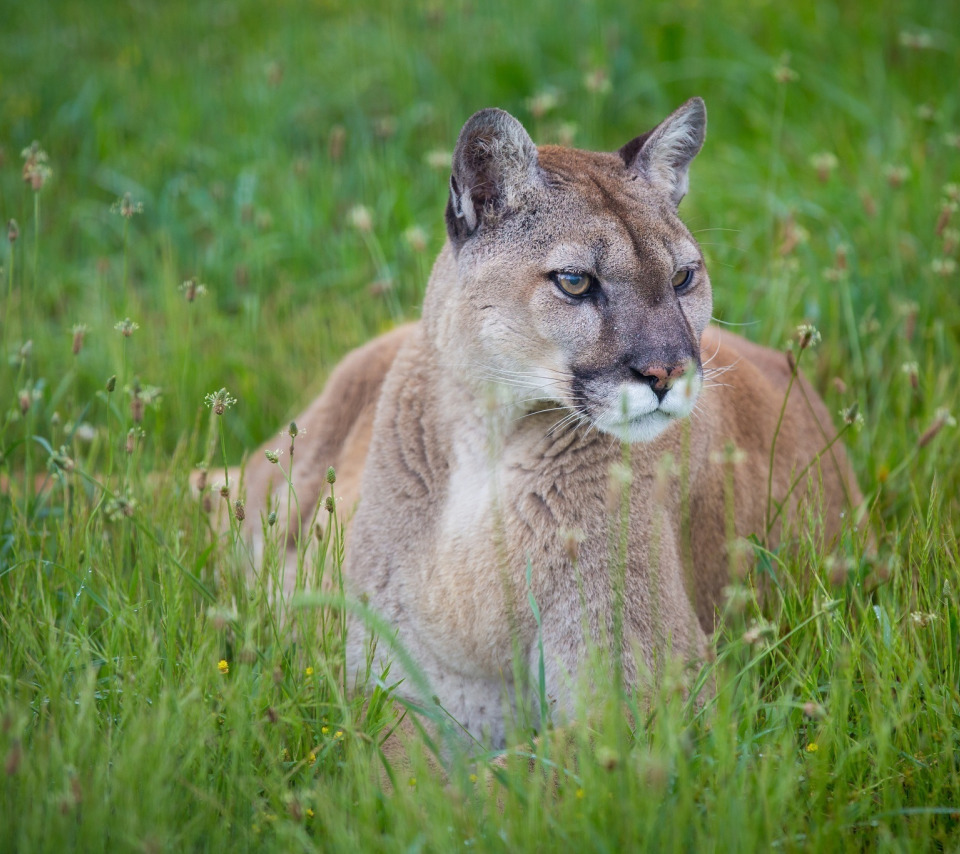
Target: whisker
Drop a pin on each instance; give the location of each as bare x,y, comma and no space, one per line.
714,356
540,411
730,323
519,383
493,369
709,373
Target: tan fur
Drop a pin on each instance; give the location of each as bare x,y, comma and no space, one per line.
471,470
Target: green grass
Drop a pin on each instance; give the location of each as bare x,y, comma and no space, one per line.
250,132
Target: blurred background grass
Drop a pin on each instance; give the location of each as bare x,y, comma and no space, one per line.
253,134
249,131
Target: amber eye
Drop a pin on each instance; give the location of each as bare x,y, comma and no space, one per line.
574,284
681,279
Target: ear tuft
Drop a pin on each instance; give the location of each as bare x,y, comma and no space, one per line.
663,155
494,159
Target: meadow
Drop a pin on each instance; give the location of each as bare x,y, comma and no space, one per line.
209,195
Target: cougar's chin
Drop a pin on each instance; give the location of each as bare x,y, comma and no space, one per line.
636,414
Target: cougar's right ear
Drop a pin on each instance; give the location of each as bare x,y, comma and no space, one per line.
493,161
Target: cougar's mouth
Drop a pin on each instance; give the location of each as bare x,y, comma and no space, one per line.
633,412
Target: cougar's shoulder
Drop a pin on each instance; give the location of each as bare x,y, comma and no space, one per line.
334,430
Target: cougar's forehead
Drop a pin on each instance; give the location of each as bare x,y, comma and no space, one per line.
609,214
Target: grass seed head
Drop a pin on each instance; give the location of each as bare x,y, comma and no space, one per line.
947,210
618,480
807,336
331,476
219,401
760,632
120,507
192,289
127,207
896,174
597,81
385,127
13,231
338,139
361,219
912,370
543,102
61,461
730,455
951,240
943,267
824,163
783,73
136,404
852,416
126,327
916,40
36,168
942,419
79,332
438,158
416,238
840,256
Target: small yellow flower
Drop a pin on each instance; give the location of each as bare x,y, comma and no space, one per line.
309,671
338,734
324,729
813,747
412,781
579,794
473,778
312,757
309,813
223,666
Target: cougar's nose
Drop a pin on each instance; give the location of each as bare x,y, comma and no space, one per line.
658,376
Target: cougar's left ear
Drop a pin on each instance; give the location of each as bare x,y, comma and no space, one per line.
494,159
663,155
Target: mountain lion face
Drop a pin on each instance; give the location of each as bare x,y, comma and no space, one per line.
579,287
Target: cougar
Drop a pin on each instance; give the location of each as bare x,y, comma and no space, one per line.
553,431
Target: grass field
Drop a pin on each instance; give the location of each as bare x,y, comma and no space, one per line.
292,158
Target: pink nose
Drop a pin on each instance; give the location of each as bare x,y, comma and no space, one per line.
660,377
